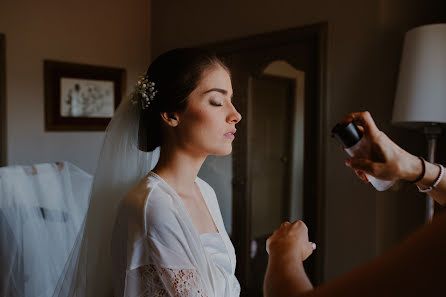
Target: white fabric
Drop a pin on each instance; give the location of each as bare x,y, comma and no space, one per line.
157,251
42,208
215,247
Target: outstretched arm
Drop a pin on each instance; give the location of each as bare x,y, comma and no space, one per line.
414,268
288,247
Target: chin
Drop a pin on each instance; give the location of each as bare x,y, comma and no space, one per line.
222,151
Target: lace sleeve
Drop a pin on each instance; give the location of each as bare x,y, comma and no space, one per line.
151,281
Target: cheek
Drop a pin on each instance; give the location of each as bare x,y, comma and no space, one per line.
204,130
203,124
204,119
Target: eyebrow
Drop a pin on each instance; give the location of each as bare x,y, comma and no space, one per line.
222,91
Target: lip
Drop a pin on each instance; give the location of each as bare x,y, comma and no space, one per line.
230,134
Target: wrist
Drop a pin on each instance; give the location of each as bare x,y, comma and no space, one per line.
283,256
412,168
432,173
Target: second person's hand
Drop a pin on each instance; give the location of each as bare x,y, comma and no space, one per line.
290,242
388,161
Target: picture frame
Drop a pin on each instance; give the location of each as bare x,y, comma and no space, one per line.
81,97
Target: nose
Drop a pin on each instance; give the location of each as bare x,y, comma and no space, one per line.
234,116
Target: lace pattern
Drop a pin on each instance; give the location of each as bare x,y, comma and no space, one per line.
162,282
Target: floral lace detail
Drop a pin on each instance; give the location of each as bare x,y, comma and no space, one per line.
158,282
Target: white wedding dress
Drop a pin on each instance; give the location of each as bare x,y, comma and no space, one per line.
157,251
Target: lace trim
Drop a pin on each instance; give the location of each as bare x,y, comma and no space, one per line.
158,282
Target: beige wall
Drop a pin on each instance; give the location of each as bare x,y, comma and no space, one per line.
99,32
364,48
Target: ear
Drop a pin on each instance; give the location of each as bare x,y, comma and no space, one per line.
170,118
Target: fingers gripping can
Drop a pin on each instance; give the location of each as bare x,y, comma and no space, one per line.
355,145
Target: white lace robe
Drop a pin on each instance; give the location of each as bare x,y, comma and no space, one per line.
157,251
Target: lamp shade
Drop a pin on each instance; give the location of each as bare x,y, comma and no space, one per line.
421,91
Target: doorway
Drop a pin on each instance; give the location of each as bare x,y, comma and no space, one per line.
270,115
277,159
2,100
269,148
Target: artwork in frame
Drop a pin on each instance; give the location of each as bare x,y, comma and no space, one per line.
81,97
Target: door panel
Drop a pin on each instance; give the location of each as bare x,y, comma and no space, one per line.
269,154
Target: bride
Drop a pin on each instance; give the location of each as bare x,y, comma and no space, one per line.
166,230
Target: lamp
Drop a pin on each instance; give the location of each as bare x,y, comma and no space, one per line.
420,101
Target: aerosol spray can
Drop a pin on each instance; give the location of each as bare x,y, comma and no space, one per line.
355,145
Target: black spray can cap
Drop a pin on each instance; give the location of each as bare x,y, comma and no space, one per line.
347,134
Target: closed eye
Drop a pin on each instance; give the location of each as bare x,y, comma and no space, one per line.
215,103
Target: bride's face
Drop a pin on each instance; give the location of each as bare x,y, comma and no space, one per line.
207,125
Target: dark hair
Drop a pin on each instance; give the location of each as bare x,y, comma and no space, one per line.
176,74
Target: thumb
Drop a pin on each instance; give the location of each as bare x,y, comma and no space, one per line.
308,250
360,164
313,246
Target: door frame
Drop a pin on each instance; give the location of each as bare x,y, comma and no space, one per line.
2,100
315,139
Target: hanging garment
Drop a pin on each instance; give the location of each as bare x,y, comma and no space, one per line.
42,209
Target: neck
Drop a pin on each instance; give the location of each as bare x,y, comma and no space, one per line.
179,169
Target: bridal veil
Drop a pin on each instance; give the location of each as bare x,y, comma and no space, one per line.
120,167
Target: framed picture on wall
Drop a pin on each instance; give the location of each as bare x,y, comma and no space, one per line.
81,97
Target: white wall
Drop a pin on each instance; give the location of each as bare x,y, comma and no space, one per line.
106,33
364,47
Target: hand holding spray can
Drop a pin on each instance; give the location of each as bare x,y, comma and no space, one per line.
355,145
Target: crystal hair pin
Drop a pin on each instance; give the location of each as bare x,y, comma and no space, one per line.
146,89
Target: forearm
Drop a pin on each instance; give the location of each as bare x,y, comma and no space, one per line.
285,278
414,268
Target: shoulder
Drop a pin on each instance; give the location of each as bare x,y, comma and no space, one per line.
160,207
148,193
137,196
149,203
